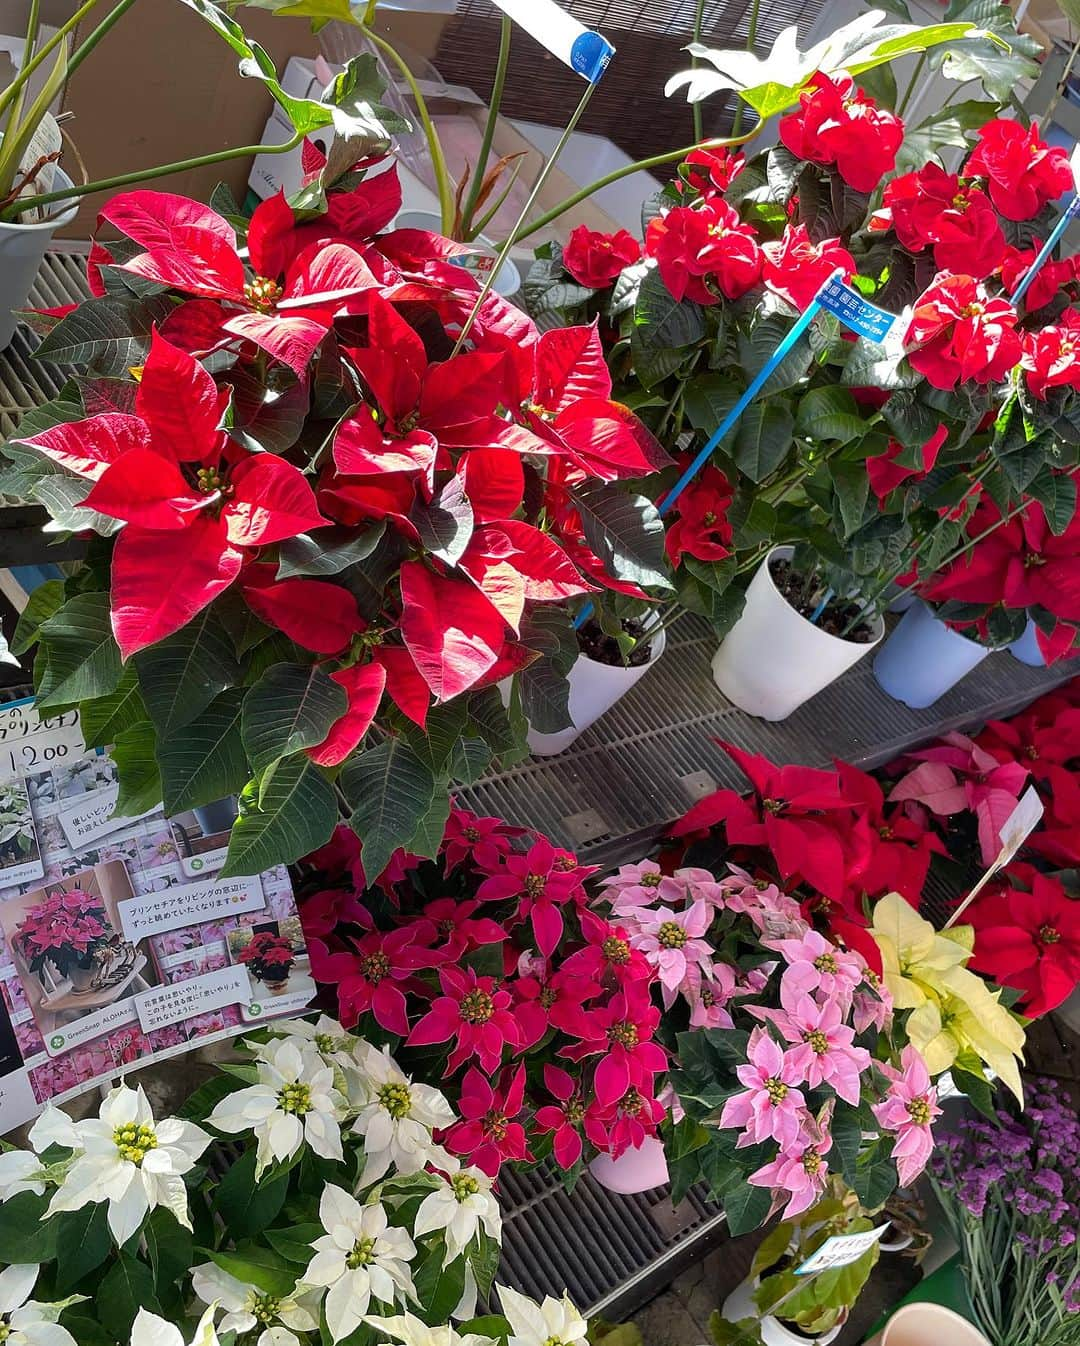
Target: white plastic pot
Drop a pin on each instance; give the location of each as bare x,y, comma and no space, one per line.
594,689
634,1171
1026,649
928,1325
508,278
22,250
740,1304
923,659
773,659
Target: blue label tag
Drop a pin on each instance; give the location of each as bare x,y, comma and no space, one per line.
854,311
591,55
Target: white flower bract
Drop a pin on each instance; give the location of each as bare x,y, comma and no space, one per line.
360,1257
25,1322
125,1158
247,1307
555,1322
20,1171
413,1331
463,1204
398,1118
294,1101
150,1330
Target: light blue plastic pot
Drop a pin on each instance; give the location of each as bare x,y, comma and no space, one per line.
923,659
1026,649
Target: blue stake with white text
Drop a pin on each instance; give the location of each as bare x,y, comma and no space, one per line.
1068,215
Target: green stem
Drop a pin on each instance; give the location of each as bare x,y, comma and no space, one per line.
911,84
435,149
642,165
46,51
15,110
751,38
85,48
468,209
696,112
143,174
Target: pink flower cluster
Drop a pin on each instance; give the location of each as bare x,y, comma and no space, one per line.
807,1000
73,921
507,965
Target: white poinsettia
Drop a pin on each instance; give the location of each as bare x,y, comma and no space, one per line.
294,1101
247,1307
398,1118
555,1322
462,1204
20,1171
150,1330
326,1035
124,1157
24,1322
414,1332
361,1257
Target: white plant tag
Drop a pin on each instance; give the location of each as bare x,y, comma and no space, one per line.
841,1250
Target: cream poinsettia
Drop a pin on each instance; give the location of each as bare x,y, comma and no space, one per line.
414,1331
953,1010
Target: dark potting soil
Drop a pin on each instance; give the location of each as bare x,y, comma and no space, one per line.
597,644
804,597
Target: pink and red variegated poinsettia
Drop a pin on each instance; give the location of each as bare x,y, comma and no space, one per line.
504,972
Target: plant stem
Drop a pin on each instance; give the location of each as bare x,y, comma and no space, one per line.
642,165
47,48
11,122
699,17
435,149
911,84
751,38
85,48
142,174
467,210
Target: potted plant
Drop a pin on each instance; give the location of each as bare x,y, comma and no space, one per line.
17,836
530,1010
775,1306
270,959
65,930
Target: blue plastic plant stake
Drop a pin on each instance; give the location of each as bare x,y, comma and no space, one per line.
549,23
821,606
1068,215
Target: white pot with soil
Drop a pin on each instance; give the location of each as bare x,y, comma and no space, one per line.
774,658
740,1304
478,261
22,250
598,679
635,1170
923,658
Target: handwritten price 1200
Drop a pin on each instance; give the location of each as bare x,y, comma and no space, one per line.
31,756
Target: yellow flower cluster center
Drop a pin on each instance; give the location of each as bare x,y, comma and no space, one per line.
295,1098
134,1141
671,935
362,1255
396,1099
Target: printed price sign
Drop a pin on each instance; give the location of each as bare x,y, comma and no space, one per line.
841,1250
855,312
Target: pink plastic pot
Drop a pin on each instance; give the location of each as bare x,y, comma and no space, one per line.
637,1170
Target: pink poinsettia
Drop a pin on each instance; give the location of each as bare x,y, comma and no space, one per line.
797,1173
489,1133
771,1107
375,974
956,775
475,1012
672,941
908,1111
816,965
824,1050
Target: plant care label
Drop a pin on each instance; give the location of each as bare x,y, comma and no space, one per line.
1019,825
577,46
192,904
841,1250
855,312
166,1005
120,943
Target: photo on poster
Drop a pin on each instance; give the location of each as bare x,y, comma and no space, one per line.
202,836
275,956
20,850
70,953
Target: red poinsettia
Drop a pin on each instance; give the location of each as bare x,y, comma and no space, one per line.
544,879
620,1033
373,975
1024,172
564,1116
836,123
193,500
459,930
1049,281
475,1012
481,842
1051,357
1029,939
285,307
709,169
549,999
489,1132
699,524
932,208
705,252
607,956
595,259
795,267
958,332
1044,736
626,1124
886,472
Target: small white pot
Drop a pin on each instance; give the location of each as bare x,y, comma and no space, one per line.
923,659
508,279
740,1304
1026,649
634,1171
773,659
22,250
594,689
928,1325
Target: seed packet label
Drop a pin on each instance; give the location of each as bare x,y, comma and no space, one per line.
1019,825
172,1004
855,312
92,818
577,46
163,969
192,904
841,1250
